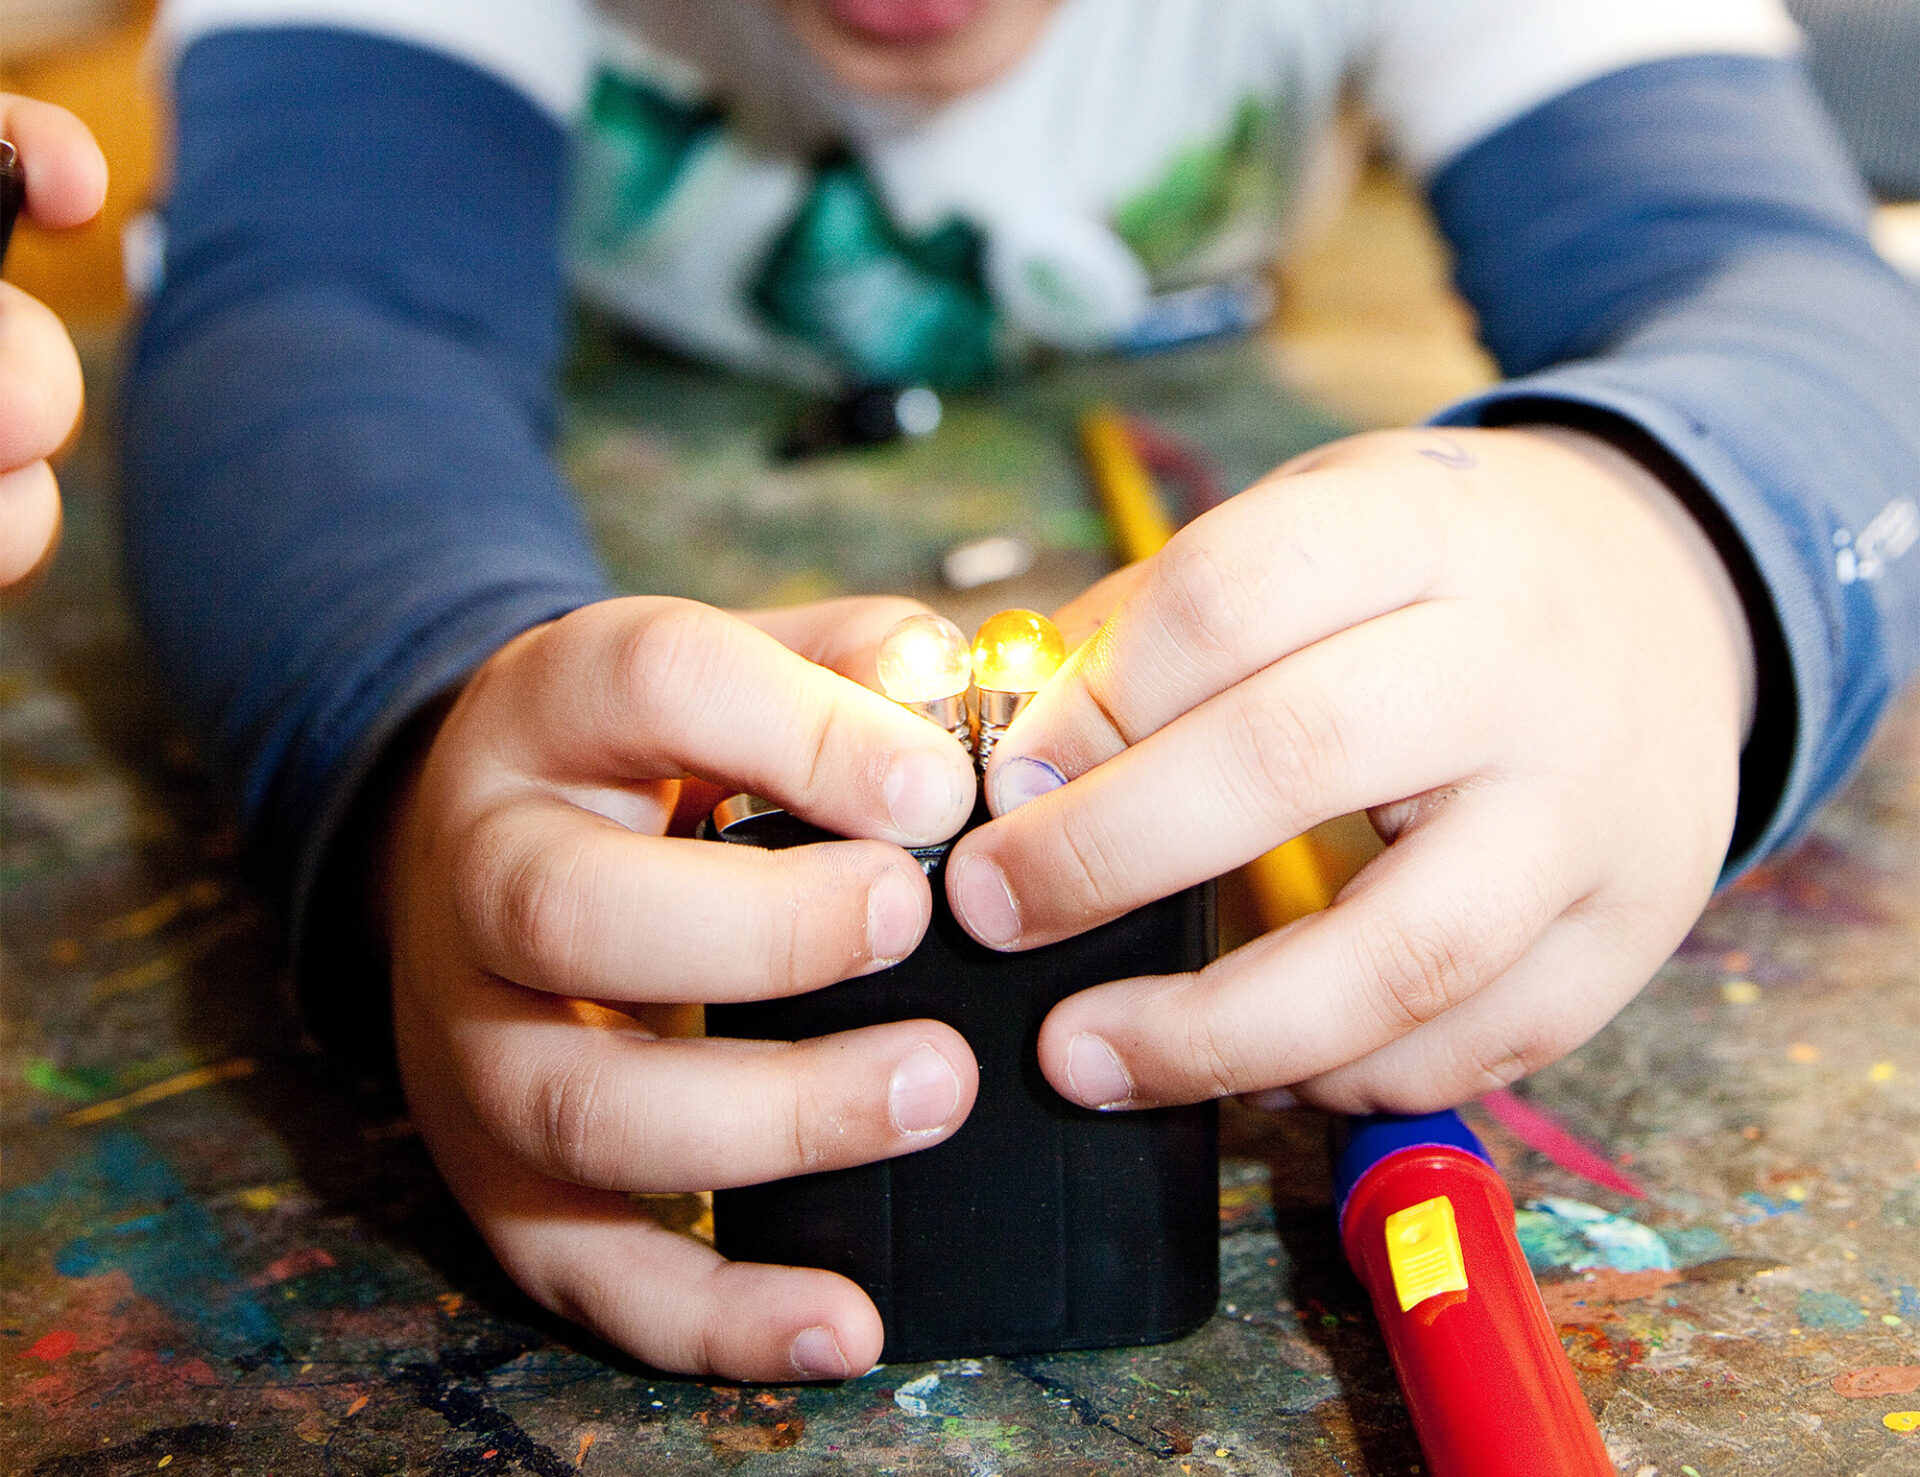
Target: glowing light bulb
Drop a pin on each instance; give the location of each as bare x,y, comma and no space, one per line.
925,666
1014,654
1016,651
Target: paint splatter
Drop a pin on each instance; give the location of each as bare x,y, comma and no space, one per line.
1590,1299
1556,1232
75,1083
56,1345
1820,1309
1880,1072
1542,1132
1901,1420
143,922
143,1221
153,1092
912,1396
774,1423
1877,1380
1692,1245
1765,1207
293,1264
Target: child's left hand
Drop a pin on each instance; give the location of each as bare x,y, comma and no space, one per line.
1514,647
39,371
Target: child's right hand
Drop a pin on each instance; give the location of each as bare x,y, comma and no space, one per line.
548,935
39,372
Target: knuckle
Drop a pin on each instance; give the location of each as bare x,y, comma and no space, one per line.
520,903
1215,1068
540,918
1503,1063
483,862
1086,868
1277,742
1208,601
823,736
672,648
783,946
811,1128
1416,970
568,1120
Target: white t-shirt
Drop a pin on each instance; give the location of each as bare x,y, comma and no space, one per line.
1126,181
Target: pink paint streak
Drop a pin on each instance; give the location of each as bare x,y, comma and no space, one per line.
293,1264
1543,1133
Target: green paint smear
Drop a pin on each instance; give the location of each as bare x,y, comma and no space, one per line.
1692,1245
80,1084
997,1434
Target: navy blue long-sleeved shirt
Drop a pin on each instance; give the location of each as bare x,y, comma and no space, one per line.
340,498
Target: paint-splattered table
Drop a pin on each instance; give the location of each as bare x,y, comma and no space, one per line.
217,1255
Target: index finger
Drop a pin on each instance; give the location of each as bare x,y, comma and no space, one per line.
654,688
1443,912
66,172
1287,563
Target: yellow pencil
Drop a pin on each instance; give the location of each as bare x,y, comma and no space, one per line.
1132,503
1288,882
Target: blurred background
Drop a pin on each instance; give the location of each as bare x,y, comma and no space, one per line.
1367,324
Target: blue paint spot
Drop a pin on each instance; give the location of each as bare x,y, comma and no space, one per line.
1829,1310
139,1218
1765,1208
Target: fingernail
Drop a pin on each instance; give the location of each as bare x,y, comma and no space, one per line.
984,902
924,1091
815,1355
1019,780
921,796
1095,1074
1272,1100
896,912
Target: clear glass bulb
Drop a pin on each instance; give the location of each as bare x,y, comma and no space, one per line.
924,659
1017,651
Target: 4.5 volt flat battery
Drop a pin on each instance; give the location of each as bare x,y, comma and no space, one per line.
1038,1224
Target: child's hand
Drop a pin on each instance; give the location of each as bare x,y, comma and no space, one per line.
1514,647
548,935
39,372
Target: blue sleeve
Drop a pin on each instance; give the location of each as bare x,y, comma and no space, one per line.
1675,256
340,497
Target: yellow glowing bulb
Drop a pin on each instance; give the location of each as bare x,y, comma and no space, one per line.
923,660
1016,651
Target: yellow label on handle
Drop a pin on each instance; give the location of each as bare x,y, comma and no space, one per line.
1423,1249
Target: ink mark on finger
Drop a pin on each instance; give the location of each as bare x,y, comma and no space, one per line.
1450,454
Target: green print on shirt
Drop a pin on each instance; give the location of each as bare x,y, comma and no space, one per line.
879,302
629,155
842,277
883,304
1210,191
